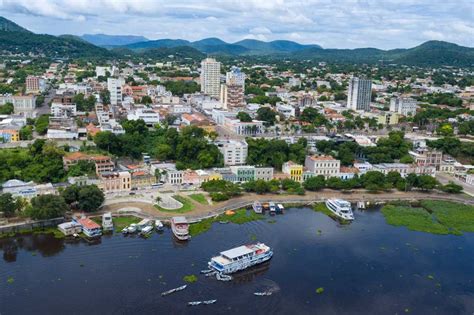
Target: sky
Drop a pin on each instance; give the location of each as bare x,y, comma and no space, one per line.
384,24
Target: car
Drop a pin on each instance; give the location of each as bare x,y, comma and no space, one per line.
131,193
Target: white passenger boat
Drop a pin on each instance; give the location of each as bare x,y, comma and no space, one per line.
132,228
272,208
257,207
240,258
146,230
340,208
158,225
180,228
280,208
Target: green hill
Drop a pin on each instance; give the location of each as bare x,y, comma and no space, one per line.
9,26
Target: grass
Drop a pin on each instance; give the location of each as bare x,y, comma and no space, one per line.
190,278
121,222
321,207
187,205
199,198
415,219
240,216
455,216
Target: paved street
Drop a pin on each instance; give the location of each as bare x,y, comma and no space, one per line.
444,179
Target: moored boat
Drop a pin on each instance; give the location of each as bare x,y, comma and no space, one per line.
266,293
146,230
132,228
159,225
272,208
340,208
180,228
257,207
174,290
280,208
107,223
240,258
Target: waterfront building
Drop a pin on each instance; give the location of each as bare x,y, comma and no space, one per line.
293,169
359,94
385,168
265,173
234,151
210,77
325,165
405,106
70,228
89,227
102,163
243,173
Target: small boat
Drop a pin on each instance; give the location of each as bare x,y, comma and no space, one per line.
159,225
206,271
280,208
340,208
194,303
75,235
209,302
174,290
272,208
222,277
266,293
210,274
265,206
132,228
223,222
125,231
257,207
107,223
146,230
143,224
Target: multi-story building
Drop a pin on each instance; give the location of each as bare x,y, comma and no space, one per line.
324,165
114,85
427,157
241,128
234,151
244,173
233,91
210,77
34,84
293,169
22,104
63,110
10,133
405,106
174,176
115,181
385,168
102,163
141,179
359,94
150,117
265,173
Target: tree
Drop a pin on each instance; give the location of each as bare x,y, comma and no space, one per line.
8,205
90,198
26,133
146,100
41,125
47,207
81,168
407,159
393,178
445,130
267,115
71,194
374,181
452,188
105,97
6,109
244,117
335,183
426,182
315,183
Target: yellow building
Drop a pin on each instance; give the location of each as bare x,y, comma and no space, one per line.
294,170
215,176
388,118
9,134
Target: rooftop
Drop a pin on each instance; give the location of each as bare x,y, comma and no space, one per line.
236,252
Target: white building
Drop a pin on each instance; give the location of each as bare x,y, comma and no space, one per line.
405,106
234,151
359,94
63,110
210,77
286,110
22,104
323,165
115,88
102,71
149,116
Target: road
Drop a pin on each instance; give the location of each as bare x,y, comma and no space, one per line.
444,179
44,108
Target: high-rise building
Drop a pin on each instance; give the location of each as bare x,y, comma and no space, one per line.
115,88
233,91
34,84
405,106
211,77
359,94
234,151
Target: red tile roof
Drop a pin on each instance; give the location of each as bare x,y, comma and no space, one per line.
88,224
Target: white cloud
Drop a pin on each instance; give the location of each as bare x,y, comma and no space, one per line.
342,23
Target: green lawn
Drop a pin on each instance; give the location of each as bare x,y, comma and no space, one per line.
199,198
241,216
121,222
187,205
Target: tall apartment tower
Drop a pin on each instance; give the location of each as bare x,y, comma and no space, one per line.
233,92
211,77
115,88
359,94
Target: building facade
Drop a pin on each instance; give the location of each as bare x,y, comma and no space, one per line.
210,77
293,169
323,165
359,94
234,151
233,91
405,106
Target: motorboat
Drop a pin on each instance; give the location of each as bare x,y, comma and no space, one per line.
146,230
107,223
132,228
240,258
159,225
174,290
272,208
257,207
180,228
266,293
341,208
280,208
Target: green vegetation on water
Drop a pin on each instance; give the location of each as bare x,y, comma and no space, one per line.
319,290
187,205
240,216
437,217
190,278
199,198
10,280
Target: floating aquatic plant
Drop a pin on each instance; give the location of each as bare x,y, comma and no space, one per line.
190,278
320,290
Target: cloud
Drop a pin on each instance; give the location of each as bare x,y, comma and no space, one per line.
341,24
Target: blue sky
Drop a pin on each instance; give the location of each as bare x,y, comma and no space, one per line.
383,24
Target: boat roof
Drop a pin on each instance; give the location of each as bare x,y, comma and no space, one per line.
178,220
236,252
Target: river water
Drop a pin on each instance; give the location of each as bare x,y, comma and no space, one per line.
367,267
